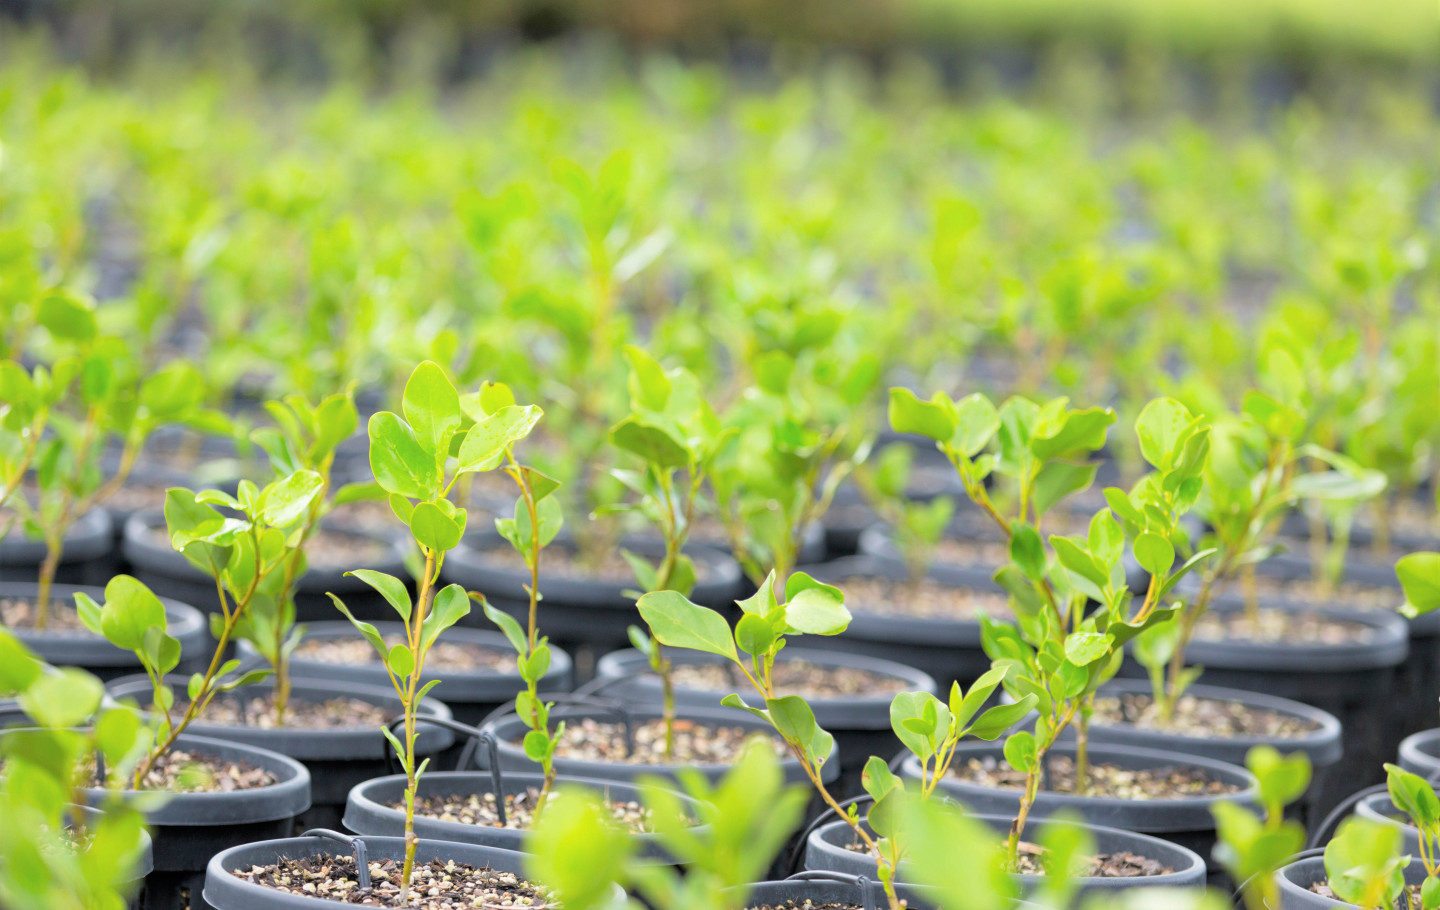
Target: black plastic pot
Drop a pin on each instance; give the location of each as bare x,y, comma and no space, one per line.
1183,821
826,850
224,891
860,724
588,617
945,649
1295,881
88,543
190,828
368,809
80,648
1355,682
337,760
1324,745
1420,753
509,729
170,574
471,696
821,889
1378,807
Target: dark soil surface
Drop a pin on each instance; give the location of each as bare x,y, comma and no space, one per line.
436,885
179,771
794,677
19,613
926,600
588,739
479,809
259,713
1281,627
1201,717
1168,782
444,657
326,549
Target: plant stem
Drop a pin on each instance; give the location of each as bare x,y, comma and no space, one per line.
412,685
667,689
1032,791
532,633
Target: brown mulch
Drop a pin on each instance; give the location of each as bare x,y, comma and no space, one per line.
589,739
179,771
1201,717
436,885
1106,780
443,657
926,599
479,809
793,677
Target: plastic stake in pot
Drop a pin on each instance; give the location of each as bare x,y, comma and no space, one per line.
357,847
867,895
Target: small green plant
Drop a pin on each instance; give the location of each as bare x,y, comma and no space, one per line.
917,526
244,555
411,458
303,438
25,402
1415,796
1364,863
1252,849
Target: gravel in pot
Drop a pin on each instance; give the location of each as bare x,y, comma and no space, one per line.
66,641
84,561
1123,859
586,609
850,694
333,728
1299,880
1343,662
460,806
932,627
476,667
1148,791
331,552
311,873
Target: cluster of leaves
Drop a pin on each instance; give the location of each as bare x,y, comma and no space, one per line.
1252,849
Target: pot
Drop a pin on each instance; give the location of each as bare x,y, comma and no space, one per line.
224,891
1378,807
587,616
1351,682
1420,753
170,574
1295,881
859,723
336,759
471,695
368,808
945,649
87,544
81,648
822,889
1181,820
825,850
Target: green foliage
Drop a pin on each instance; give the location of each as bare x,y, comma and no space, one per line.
1364,863
1252,849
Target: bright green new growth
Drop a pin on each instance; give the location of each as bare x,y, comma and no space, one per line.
416,460
726,844
304,438
94,391
1252,849
53,855
1059,652
245,557
1415,796
1364,863
810,608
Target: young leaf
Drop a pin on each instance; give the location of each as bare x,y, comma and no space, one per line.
391,588
678,623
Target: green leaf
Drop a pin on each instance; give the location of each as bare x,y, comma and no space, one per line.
434,529
793,719
1059,479
485,444
1081,432
976,422
507,624
1021,752
391,588
1419,575
931,419
754,634
371,634
1026,550
131,609
451,604
67,316
63,699
649,385
401,660
819,610
1159,425
678,623
1154,553
997,721
400,462
286,501
431,405
1084,648
650,443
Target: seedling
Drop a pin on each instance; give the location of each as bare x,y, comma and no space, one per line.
245,556
1252,849
1364,864
25,402
304,438
410,457
810,608
1055,651
1415,796
917,526
112,399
